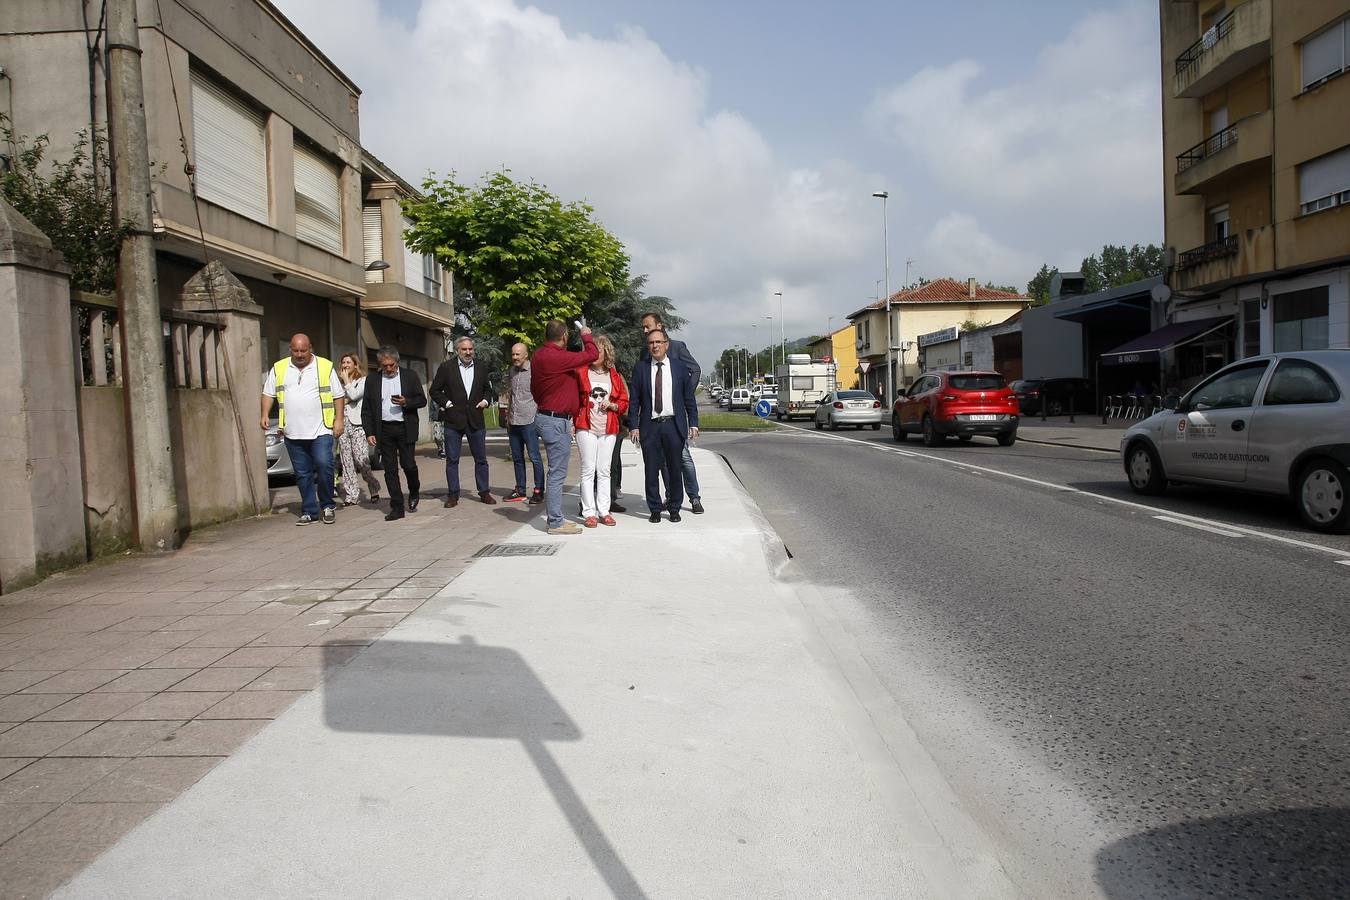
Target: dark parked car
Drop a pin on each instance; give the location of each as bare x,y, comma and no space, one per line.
1056,394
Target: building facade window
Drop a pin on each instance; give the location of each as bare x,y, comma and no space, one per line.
412,262
1251,327
372,237
229,140
1219,223
1301,320
1324,182
431,277
318,200
1326,54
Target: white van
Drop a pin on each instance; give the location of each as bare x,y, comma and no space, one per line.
740,399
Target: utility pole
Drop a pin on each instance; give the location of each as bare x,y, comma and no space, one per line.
144,385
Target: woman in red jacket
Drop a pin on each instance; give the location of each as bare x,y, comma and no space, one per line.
604,402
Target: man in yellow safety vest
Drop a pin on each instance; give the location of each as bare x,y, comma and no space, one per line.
310,403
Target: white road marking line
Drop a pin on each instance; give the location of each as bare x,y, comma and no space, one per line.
1343,562
1210,528
1240,529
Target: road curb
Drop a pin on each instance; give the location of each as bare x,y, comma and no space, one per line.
957,858
1023,437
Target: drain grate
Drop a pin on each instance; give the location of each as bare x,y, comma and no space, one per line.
516,550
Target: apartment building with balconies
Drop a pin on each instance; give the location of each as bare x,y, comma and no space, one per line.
1256,134
285,195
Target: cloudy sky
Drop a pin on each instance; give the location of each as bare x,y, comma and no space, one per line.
734,147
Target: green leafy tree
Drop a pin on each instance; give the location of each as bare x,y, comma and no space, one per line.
526,256
1001,287
618,315
1038,288
1115,266
69,200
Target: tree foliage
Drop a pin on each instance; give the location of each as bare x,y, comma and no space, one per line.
1114,266
618,315
526,256
69,200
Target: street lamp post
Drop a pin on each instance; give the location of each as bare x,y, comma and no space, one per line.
890,341
771,367
782,326
753,326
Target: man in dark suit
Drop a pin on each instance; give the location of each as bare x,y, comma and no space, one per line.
679,352
460,391
663,418
389,414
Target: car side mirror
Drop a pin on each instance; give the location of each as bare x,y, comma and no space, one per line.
1172,402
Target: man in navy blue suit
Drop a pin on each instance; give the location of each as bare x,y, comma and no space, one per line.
662,417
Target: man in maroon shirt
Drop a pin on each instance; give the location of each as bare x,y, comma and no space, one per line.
553,382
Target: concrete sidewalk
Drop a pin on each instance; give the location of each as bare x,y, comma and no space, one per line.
647,711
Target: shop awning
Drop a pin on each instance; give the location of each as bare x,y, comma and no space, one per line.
1112,306
1150,346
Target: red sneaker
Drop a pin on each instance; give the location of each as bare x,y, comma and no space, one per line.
608,520
591,522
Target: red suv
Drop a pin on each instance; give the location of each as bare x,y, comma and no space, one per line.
961,403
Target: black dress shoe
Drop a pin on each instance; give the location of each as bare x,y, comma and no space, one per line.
393,514
654,517
674,515
617,507
412,503
696,507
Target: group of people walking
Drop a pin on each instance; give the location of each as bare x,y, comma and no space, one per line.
551,396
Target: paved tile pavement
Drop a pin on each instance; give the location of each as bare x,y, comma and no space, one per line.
124,682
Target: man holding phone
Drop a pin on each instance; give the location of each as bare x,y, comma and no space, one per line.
556,391
392,410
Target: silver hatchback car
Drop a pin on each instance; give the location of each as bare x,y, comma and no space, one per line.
1276,424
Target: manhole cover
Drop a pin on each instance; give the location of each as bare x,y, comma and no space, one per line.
517,550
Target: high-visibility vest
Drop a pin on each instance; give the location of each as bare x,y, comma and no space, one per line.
325,390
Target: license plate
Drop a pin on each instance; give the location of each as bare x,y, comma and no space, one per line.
860,405
981,417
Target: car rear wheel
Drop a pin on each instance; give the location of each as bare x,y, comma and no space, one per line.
817,423
834,426
1321,495
896,431
931,438
1056,408
1007,439
1144,470
876,426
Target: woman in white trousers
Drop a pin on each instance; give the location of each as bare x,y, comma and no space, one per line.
604,402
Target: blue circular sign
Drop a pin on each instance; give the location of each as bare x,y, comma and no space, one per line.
762,409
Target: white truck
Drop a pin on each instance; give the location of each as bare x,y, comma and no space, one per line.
802,384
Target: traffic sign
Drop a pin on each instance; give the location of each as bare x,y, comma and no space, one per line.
762,409
864,366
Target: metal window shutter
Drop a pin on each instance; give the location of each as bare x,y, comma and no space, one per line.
318,200
231,146
373,238
1324,176
1324,54
412,263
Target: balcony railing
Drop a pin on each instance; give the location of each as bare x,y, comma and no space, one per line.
1219,249
1191,57
1212,146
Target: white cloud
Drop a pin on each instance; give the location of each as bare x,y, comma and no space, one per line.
1083,121
695,193
958,246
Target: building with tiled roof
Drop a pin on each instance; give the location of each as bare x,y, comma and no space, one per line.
936,305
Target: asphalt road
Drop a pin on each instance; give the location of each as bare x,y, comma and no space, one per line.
1131,706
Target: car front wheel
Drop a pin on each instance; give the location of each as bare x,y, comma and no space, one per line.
1007,439
1144,470
1321,496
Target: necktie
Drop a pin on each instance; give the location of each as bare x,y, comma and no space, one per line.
660,367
